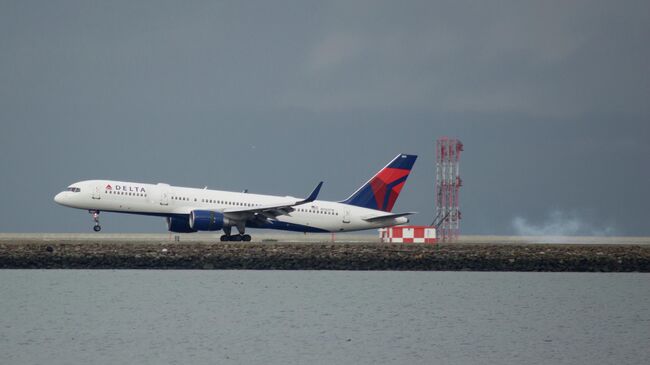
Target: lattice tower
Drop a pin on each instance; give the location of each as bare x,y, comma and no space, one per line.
448,183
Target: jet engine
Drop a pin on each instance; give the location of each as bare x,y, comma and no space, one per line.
206,220
179,225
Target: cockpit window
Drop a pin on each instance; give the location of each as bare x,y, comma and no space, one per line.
74,189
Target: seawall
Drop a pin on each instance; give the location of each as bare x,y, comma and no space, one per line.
324,256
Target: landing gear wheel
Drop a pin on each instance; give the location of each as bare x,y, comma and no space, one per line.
246,237
225,238
236,238
95,214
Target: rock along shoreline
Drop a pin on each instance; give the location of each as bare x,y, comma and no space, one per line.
325,256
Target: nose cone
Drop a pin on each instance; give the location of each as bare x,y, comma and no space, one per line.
58,198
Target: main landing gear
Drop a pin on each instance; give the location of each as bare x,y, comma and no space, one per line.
235,237
95,214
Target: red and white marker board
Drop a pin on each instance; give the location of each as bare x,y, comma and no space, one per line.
408,234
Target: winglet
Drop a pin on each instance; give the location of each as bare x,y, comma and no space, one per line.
313,195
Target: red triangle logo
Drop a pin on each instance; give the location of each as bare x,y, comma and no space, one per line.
109,187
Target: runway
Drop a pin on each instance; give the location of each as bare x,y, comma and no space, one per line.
350,238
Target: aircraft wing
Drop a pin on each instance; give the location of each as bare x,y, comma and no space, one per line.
380,217
270,211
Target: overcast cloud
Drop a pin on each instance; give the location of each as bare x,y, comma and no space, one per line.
551,99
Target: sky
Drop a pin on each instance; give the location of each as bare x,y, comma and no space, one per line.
550,98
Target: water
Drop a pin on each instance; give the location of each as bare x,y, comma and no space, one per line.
322,317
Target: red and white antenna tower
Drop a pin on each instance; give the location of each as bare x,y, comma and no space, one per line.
448,183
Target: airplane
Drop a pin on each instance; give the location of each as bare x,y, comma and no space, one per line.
188,210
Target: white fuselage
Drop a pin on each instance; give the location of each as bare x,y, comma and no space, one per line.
167,201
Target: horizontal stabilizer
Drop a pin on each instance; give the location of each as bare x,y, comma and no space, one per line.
376,218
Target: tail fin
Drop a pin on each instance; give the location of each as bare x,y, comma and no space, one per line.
382,190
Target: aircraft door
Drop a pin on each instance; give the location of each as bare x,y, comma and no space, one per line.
346,216
164,193
97,193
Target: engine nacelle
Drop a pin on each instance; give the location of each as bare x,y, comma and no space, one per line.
179,225
206,220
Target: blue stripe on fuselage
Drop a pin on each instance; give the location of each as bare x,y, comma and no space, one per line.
268,225
286,227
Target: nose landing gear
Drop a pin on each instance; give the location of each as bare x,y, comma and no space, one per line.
95,214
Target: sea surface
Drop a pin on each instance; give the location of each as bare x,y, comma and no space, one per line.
322,317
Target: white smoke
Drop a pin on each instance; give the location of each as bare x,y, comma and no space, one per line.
559,224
